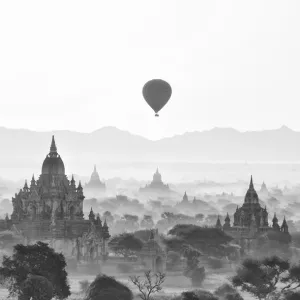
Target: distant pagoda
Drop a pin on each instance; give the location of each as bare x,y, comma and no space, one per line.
156,185
264,189
95,183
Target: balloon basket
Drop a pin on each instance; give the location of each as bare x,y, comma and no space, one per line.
156,115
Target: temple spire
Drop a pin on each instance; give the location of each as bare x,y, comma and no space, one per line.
53,148
95,169
251,183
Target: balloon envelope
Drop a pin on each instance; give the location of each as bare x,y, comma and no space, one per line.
157,93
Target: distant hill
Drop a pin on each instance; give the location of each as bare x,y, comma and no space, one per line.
24,148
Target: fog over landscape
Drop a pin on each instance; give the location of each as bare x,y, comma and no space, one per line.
149,150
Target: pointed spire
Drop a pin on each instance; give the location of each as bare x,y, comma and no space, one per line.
218,224
91,215
25,185
99,220
227,218
251,183
95,169
79,185
32,183
105,223
53,148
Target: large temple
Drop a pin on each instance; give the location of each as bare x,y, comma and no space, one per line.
250,220
156,185
52,195
95,183
52,207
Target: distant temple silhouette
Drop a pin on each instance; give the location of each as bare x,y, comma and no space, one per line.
95,183
156,185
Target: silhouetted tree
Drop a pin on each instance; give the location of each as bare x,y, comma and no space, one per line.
125,244
264,277
198,295
207,240
227,292
108,288
151,284
37,259
36,288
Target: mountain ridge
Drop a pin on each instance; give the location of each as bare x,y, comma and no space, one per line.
22,147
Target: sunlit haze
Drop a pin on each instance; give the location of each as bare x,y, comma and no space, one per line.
80,66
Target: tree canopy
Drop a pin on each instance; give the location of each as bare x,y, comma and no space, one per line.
266,276
125,244
37,259
108,288
205,239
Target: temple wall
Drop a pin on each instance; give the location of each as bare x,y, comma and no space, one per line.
41,229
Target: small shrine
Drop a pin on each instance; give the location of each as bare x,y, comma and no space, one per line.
152,254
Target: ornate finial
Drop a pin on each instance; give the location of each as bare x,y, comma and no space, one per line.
105,223
25,185
72,180
79,185
251,183
53,148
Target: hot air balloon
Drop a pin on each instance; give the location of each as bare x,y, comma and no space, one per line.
157,93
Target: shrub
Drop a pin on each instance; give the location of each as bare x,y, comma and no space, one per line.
125,268
225,289
198,295
36,288
108,288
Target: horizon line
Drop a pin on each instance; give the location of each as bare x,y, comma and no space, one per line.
283,127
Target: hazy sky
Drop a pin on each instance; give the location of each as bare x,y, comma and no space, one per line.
81,65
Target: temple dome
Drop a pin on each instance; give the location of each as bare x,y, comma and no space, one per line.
53,163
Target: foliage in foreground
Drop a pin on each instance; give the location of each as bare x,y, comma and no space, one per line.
268,276
151,284
108,288
38,259
36,288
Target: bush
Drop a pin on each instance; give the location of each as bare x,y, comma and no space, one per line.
125,268
38,259
36,288
224,290
84,285
215,263
108,288
227,292
198,295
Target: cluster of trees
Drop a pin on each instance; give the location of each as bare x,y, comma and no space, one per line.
167,220
37,272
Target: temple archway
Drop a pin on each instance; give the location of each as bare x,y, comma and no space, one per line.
72,212
158,264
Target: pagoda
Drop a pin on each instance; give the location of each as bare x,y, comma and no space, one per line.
156,185
95,183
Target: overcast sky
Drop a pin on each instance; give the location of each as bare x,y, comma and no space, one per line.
81,65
